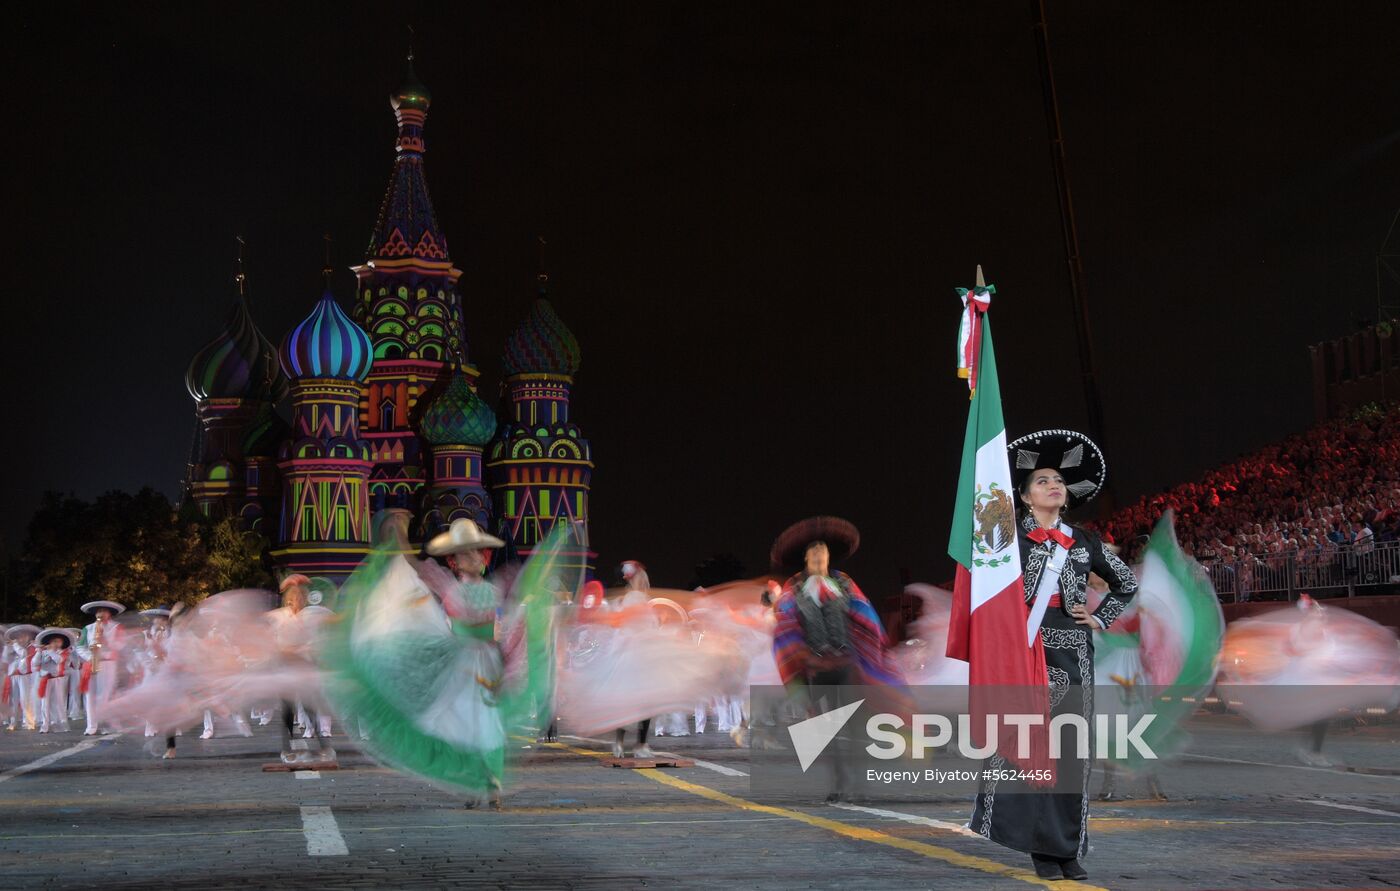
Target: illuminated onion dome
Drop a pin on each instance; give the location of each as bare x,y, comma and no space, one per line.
411,93
238,364
542,344
458,416
327,344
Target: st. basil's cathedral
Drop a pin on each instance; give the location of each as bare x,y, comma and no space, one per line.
384,406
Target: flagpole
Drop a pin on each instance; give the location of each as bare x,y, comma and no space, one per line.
1069,228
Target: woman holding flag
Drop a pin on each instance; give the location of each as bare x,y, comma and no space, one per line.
1054,470
1020,618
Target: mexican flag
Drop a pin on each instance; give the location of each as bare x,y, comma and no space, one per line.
1164,658
1006,662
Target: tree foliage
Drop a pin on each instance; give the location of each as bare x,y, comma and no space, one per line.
136,549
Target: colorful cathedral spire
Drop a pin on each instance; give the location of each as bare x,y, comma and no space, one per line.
541,467
406,233
325,465
456,425
409,305
232,379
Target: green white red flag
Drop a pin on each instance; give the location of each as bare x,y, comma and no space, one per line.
988,631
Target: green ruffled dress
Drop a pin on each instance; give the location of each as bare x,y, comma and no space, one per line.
431,691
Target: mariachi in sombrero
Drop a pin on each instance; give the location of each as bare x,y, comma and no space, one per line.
826,631
1056,561
1074,455
841,538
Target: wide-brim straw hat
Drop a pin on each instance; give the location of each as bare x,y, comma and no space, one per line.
462,536
841,538
43,636
94,605
17,630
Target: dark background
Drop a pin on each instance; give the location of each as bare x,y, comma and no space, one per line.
756,214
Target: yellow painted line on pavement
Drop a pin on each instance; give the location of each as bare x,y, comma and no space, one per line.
79,836
859,833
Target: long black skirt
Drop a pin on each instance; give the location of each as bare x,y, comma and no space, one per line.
1050,823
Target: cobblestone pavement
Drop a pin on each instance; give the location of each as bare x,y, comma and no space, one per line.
112,816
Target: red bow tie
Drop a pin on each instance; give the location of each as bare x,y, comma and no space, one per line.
1042,535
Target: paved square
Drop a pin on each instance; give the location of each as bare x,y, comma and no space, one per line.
108,813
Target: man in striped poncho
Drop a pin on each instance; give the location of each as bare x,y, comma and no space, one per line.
828,637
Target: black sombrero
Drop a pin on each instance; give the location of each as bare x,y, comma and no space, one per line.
1073,454
840,536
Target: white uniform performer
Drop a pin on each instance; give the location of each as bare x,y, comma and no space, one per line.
19,657
100,647
51,665
75,665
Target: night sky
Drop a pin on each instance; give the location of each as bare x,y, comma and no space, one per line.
756,215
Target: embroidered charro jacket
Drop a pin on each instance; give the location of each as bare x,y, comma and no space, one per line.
1089,554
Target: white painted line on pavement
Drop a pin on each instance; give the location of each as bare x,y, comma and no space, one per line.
908,818
601,742
45,761
1332,770
323,838
307,774
708,765
1347,807
719,768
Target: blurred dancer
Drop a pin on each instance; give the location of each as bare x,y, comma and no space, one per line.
414,655
292,632
174,613
1301,665
155,646
634,574
7,699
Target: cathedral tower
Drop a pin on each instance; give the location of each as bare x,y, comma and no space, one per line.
325,465
540,467
408,303
456,425
234,381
